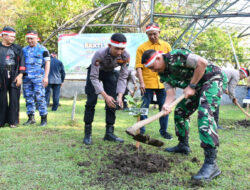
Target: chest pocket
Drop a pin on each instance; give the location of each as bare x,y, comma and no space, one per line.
38,56
107,64
181,73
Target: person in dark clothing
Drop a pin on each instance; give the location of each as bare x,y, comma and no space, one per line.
56,78
12,68
102,69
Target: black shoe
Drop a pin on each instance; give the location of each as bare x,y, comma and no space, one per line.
182,147
87,134
167,136
209,169
219,127
110,136
43,120
31,120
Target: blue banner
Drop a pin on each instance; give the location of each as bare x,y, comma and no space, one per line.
77,50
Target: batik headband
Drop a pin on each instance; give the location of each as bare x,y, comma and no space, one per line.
244,71
152,58
10,33
152,28
31,35
118,44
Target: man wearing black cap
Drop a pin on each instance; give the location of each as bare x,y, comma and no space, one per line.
102,68
12,67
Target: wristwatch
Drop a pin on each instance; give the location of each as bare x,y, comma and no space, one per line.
193,86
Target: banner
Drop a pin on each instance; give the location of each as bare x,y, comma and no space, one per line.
77,50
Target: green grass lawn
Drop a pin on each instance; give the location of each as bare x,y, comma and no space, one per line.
48,158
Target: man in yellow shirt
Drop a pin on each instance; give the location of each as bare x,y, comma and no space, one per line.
150,81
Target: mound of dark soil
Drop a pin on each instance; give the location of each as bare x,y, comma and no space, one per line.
123,164
136,162
244,123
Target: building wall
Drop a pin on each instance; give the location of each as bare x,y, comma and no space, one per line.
71,86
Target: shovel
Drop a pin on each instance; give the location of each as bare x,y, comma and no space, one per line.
238,105
146,138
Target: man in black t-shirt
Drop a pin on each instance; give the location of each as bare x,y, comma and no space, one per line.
12,68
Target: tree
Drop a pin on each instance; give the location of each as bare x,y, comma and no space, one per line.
214,44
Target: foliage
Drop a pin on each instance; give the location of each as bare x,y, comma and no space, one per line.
134,104
8,14
98,3
170,28
214,44
45,16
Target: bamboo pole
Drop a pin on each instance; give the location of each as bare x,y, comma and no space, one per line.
137,144
74,107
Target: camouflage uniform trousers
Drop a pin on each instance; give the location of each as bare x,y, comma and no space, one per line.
34,93
206,100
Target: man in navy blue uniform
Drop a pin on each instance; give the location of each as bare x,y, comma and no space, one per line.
102,68
12,68
37,60
56,78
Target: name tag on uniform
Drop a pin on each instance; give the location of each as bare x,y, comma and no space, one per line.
121,61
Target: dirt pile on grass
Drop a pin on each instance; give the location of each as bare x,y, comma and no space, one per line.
139,163
123,165
244,123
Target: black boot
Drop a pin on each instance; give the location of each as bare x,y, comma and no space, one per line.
31,120
43,120
110,136
182,147
209,170
87,134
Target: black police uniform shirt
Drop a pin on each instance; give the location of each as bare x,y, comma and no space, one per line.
103,60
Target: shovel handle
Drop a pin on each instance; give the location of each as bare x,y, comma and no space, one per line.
238,105
140,124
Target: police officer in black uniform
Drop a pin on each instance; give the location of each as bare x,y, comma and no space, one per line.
12,68
102,68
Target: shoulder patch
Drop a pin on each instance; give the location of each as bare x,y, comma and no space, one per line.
121,61
97,63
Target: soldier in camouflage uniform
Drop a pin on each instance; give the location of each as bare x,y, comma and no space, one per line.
202,83
102,67
37,60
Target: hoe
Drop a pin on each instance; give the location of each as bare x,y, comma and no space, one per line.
146,138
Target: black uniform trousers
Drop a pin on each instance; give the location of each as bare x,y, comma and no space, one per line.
216,115
109,84
9,113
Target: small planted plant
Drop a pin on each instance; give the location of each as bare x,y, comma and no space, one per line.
135,106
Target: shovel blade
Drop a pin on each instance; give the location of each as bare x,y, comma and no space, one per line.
148,140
